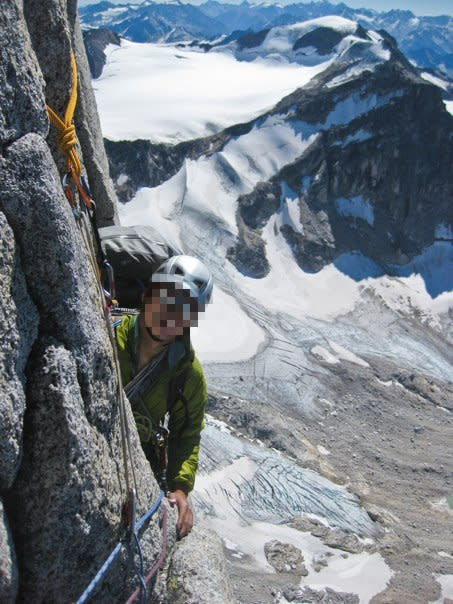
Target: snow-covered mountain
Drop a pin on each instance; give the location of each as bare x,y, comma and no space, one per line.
355,161
322,202
425,40
152,21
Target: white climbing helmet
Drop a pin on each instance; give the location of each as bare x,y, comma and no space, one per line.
191,273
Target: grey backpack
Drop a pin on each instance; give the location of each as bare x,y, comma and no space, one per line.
134,253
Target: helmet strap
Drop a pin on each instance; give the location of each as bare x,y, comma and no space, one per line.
155,338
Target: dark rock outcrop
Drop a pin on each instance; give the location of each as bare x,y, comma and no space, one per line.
252,39
325,596
386,170
323,39
95,41
285,558
143,163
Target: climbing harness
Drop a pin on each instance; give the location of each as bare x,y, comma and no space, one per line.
85,215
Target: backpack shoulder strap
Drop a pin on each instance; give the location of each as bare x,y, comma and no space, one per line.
178,381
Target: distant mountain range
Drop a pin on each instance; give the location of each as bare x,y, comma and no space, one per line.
428,41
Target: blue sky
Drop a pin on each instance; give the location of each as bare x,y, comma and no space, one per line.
419,7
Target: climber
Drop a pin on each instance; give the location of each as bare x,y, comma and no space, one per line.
161,374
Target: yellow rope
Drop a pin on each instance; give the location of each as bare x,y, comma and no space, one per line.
67,143
68,139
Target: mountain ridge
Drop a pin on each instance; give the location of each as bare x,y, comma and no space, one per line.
426,40
362,124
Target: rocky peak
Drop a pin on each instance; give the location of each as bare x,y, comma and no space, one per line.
380,161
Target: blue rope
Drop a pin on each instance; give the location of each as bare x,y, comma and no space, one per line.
141,569
100,575
102,571
148,514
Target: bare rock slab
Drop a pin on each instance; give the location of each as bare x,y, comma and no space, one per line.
326,596
8,568
285,558
18,329
22,105
197,573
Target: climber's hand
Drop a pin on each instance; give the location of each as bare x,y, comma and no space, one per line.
185,515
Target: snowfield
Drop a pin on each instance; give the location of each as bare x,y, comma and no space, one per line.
167,94
225,331
177,93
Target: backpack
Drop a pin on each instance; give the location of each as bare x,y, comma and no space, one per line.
134,253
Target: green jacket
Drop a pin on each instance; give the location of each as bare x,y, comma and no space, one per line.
185,421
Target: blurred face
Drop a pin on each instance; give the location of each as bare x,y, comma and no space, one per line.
169,310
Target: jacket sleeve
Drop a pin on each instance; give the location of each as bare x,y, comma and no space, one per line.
185,426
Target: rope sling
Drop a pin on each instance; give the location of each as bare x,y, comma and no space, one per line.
87,214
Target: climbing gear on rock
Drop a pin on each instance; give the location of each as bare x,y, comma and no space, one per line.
74,177
96,581
68,139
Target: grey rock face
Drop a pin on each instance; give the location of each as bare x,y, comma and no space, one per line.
90,136
332,537
426,388
60,22
8,567
285,558
66,502
57,274
197,573
18,329
21,100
